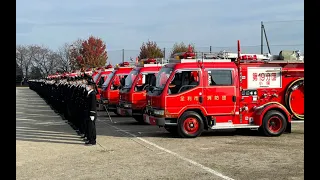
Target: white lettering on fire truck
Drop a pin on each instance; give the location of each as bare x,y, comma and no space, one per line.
266,77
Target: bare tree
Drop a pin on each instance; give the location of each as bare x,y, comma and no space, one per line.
53,62
45,59
24,56
19,74
63,58
21,53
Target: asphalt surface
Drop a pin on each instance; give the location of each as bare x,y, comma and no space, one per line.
48,148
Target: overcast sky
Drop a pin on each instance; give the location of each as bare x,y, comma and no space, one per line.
125,24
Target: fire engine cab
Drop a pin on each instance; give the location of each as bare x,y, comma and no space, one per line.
110,88
99,78
196,94
133,94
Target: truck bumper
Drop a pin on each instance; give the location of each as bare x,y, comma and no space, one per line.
153,120
124,112
104,101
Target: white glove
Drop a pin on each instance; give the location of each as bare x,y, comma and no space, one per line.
92,118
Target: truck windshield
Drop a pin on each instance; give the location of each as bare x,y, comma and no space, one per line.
130,78
104,77
163,77
96,76
105,84
101,81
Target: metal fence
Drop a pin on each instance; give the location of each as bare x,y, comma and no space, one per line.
282,35
275,36
118,56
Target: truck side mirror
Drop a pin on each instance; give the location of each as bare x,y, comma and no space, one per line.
139,83
172,85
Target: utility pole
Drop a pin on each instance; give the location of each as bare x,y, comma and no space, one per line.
122,55
262,37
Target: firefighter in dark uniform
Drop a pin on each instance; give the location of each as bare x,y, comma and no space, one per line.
71,102
77,103
75,98
83,106
91,112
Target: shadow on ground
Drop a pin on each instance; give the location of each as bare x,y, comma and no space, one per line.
56,132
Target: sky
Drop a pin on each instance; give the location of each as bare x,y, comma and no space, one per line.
125,24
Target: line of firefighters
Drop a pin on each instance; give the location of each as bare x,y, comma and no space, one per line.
75,99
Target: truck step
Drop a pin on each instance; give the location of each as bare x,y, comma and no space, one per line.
297,121
233,126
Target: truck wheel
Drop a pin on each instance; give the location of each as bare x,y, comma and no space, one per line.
274,123
172,129
190,125
116,112
139,118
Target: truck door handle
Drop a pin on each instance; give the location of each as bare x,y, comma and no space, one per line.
234,98
200,99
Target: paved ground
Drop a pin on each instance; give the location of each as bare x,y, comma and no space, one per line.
48,148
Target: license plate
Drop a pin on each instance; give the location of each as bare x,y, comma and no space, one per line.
105,101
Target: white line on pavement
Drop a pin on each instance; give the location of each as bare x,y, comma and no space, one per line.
173,153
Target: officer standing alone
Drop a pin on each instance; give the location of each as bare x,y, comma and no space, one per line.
91,113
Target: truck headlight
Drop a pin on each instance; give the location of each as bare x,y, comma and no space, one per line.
158,112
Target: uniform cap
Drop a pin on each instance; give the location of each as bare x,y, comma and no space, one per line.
91,82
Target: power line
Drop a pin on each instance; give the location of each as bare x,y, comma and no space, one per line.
219,47
300,20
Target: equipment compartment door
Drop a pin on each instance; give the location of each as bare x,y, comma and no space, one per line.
220,94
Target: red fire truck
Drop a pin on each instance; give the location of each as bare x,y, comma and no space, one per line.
110,88
100,77
133,94
202,94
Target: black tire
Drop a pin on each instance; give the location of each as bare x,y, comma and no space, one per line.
274,123
172,129
116,112
139,118
191,118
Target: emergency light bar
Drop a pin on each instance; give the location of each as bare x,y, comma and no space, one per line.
124,65
198,55
99,69
152,62
109,66
109,69
150,65
198,60
88,72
